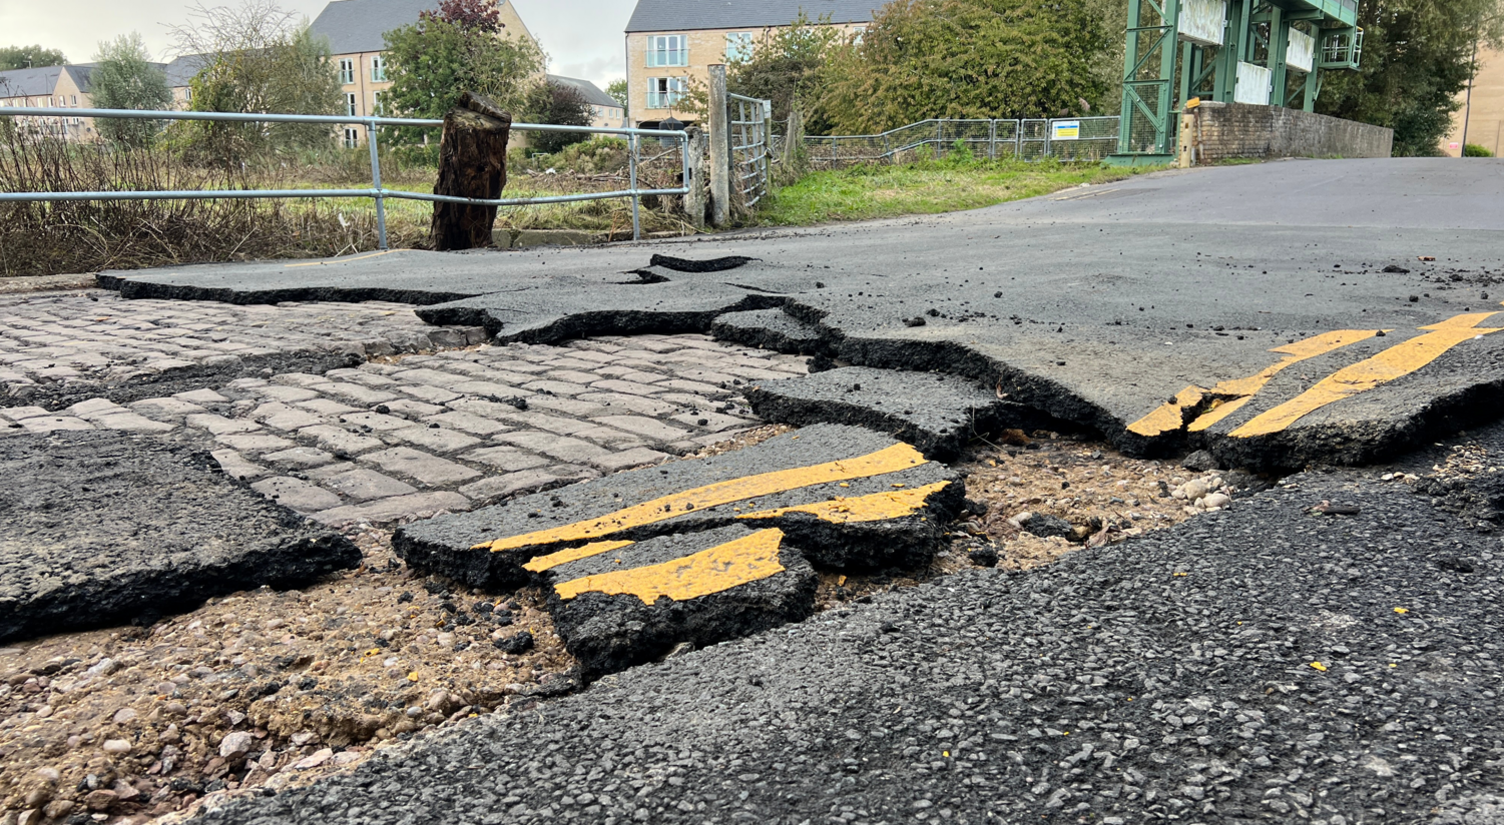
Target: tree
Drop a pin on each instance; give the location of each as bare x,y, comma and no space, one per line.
126,78
785,67
431,62
617,89
21,57
558,104
259,58
1417,58
966,59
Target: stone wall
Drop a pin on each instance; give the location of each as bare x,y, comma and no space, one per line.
1240,130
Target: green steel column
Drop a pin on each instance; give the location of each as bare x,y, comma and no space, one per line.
1313,80
1279,41
1130,57
1169,132
1187,70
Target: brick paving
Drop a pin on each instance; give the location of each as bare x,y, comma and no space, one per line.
399,436
96,336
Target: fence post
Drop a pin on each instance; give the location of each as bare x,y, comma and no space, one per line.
694,180
767,147
720,148
992,139
376,184
636,198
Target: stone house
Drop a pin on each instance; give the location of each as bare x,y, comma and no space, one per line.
671,44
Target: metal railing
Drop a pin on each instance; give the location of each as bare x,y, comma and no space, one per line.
1077,138
749,119
378,192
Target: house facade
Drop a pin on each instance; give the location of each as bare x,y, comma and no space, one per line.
51,86
355,29
606,112
1483,115
671,44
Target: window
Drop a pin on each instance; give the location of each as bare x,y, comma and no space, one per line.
346,71
738,47
350,104
188,95
668,50
378,107
664,92
378,70
352,138
75,99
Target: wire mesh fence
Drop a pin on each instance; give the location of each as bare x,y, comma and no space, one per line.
1069,139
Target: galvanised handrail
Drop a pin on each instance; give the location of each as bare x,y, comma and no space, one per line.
378,192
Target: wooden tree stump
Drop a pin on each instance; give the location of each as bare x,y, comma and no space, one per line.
472,164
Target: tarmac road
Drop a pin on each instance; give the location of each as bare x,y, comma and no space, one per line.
1272,662
1235,291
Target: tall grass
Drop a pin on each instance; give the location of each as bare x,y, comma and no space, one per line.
47,238
88,236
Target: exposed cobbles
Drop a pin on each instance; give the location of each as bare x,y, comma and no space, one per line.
55,346
409,437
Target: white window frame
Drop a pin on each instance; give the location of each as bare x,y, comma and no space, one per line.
667,50
378,69
666,92
351,137
378,106
350,104
739,46
346,71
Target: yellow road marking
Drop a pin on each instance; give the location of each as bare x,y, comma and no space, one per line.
1393,363
1237,392
892,459
345,260
549,562
876,507
720,568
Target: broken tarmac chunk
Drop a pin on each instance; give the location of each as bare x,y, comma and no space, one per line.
636,602
712,265
850,498
106,527
771,329
937,413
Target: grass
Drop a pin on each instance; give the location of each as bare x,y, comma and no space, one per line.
926,187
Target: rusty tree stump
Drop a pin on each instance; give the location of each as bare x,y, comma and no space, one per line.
472,164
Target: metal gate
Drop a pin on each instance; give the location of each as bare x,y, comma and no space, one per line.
750,120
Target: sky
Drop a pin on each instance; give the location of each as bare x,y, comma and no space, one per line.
584,38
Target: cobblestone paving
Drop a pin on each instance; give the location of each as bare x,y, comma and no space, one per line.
96,336
410,436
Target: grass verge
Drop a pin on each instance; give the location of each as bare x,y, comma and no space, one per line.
926,188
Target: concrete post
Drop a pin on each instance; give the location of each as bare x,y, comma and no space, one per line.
694,178
720,148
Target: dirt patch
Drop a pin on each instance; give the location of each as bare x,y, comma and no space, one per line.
262,688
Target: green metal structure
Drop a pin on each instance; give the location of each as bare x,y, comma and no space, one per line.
1268,52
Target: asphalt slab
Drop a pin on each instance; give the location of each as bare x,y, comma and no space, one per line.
108,527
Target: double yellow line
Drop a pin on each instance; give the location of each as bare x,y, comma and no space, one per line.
1392,364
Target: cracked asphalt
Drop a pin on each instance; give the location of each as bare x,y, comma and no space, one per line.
1324,651
1095,306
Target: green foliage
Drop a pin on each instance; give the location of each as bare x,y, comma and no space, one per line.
785,67
966,59
258,58
433,61
557,104
1473,150
21,57
126,79
1417,58
617,89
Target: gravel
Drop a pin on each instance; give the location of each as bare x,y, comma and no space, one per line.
1258,663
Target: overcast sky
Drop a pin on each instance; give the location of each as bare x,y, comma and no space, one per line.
582,37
